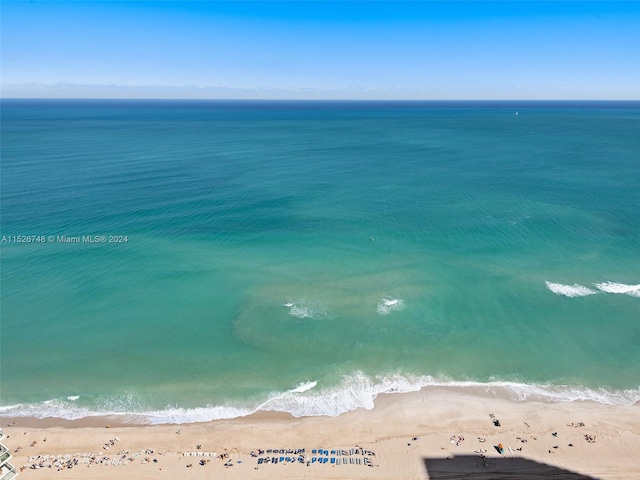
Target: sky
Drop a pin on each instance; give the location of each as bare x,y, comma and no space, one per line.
450,50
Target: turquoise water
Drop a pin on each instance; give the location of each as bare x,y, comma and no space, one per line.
306,256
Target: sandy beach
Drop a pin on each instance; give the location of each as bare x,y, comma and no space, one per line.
436,433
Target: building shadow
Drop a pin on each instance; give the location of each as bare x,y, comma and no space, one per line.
473,467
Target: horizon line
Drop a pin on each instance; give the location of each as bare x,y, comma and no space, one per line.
398,100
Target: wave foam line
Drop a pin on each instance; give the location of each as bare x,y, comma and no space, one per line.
570,290
170,415
612,287
354,391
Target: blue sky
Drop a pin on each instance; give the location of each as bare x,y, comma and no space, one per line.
321,49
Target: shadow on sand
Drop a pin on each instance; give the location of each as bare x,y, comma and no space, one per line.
473,467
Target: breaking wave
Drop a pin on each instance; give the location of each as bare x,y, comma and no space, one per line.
570,290
303,387
353,392
576,290
612,287
388,305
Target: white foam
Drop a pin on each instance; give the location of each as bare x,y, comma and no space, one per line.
564,393
306,309
73,398
354,391
303,387
360,391
612,287
169,415
388,305
195,415
300,312
570,290
49,409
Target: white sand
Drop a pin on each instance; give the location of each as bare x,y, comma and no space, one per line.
439,418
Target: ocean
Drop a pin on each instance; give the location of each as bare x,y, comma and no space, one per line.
182,261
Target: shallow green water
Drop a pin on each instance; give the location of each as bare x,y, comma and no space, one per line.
342,248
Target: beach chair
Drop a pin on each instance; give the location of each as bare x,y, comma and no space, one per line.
313,459
333,460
